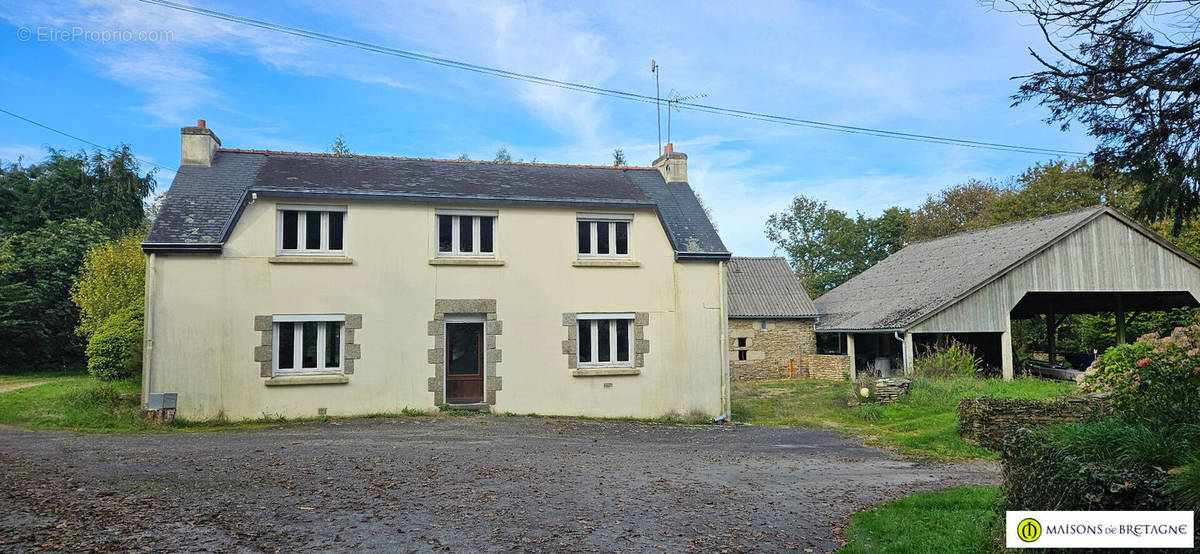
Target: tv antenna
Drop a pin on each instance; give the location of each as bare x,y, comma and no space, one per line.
673,100
657,101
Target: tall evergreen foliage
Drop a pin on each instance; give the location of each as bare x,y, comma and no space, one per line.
51,214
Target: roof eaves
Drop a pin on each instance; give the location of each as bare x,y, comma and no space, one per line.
774,316
182,247
707,256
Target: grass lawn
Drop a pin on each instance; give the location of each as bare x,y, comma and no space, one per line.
963,519
922,424
75,402
6,380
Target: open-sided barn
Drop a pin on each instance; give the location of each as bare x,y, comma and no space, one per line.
973,284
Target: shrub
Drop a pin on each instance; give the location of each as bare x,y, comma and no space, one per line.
947,361
1156,380
113,278
1105,465
115,349
1184,483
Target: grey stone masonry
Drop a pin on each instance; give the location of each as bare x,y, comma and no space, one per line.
264,351
641,346
436,356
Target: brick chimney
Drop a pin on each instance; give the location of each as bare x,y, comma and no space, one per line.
199,145
672,165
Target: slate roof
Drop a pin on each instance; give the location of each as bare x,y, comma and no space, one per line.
766,288
927,276
203,203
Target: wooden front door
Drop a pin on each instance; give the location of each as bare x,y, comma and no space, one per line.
464,363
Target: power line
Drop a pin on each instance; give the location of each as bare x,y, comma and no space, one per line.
81,139
601,91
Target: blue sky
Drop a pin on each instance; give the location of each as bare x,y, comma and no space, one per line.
932,67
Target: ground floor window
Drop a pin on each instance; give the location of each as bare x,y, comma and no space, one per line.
741,345
308,344
831,343
605,340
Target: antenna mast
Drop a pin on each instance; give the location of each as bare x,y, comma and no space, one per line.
657,101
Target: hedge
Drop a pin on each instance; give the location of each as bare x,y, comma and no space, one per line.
115,349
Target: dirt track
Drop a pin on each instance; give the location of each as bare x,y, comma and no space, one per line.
457,484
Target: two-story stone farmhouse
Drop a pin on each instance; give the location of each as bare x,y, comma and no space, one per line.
291,284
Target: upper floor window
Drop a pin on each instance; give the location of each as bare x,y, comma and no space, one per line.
308,344
311,229
605,340
466,233
604,235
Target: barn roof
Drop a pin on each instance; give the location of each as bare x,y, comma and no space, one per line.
766,288
204,203
928,276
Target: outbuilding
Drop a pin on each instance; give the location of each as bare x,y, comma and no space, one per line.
971,285
771,324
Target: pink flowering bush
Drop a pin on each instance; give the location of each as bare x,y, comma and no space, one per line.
1154,380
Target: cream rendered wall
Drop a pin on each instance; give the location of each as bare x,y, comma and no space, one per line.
201,335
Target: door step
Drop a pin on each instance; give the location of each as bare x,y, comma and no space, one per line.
474,407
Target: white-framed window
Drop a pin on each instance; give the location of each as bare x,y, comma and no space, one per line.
605,340
311,230
466,233
762,325
604,235
308,344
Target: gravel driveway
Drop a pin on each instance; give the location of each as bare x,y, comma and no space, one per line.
459,484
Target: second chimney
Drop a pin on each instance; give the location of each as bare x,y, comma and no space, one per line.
672,165
198,145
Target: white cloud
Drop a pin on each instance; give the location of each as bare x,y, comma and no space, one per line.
23,153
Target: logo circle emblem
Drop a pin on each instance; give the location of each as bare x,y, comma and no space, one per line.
1029,530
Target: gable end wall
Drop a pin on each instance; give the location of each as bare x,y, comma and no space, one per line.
1104,255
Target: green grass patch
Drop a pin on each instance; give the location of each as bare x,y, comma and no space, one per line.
38,376
75,402
964,519
922,424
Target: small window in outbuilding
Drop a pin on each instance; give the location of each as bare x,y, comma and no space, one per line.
741,345
831,343
762,325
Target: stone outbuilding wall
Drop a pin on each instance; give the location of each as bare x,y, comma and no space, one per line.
986,421
768,351
833,367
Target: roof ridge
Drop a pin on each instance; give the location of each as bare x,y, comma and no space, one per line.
1094,208
410,159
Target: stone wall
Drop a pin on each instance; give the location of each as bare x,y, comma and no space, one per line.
833,367
769,351
986,421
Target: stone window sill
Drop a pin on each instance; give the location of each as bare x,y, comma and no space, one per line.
288,380
310,260
606,263
605,372
466,261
